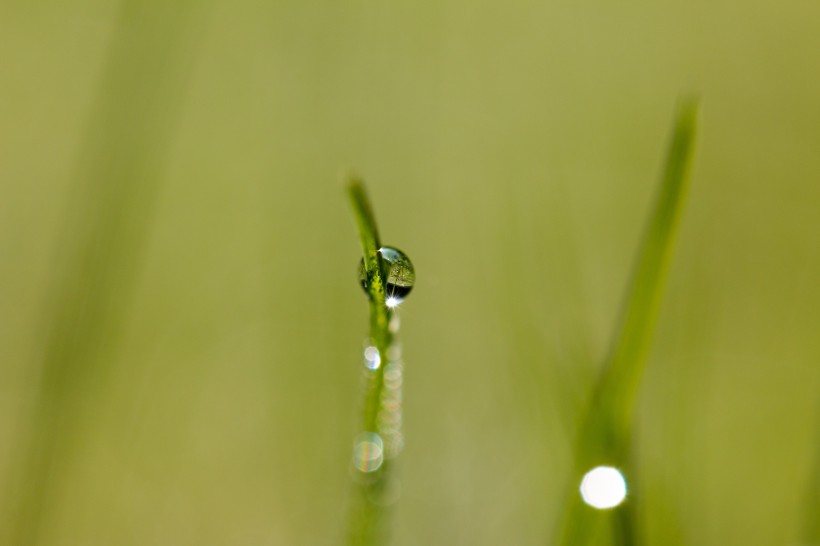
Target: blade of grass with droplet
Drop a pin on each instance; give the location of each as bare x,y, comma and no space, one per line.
605,434
379,312
367,523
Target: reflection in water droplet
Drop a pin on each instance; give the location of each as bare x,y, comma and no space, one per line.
368,452
400,275
603,487
372,358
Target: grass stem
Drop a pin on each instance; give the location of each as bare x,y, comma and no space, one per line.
367,520
605,436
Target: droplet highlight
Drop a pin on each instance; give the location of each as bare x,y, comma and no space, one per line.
400,275
372,358
603,487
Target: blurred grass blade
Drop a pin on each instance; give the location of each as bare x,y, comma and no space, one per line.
627,359
116,184
605,434
811,511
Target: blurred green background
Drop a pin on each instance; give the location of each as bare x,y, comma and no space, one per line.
180,323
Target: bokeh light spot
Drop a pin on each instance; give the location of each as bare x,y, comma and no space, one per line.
603,487
372,358
368,452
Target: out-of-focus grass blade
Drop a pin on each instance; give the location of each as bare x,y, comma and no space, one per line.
811,520
627,360
605,434
115,186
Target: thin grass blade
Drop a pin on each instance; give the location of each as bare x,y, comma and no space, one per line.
116,184
369,513
605,435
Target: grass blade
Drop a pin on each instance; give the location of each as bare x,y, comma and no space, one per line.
605,434
117,181
810,530
367,523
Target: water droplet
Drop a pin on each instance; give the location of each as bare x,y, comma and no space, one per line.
393,445
393,377
394,351
400,275
603,487
368,452
390,401
372,358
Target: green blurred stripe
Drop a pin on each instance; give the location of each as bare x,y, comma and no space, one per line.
118,176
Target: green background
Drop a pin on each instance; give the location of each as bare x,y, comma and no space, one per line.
178,261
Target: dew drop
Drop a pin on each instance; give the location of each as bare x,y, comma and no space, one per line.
372,358
400,275
368,452
603,487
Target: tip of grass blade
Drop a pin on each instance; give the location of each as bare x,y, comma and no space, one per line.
363,212
683,141
628,357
